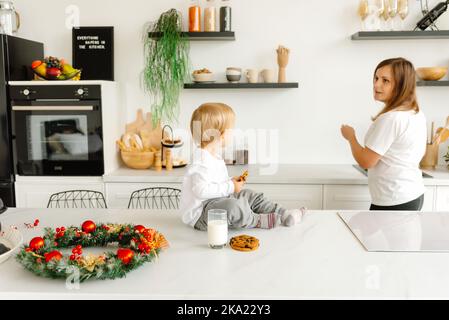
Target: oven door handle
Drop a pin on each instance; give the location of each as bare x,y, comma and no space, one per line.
52,108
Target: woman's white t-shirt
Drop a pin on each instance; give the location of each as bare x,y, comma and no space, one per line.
400,138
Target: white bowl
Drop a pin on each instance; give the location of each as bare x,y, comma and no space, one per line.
203,77
12,239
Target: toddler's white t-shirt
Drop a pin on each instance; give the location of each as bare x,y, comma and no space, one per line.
206,178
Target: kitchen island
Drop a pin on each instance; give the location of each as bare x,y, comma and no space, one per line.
320,258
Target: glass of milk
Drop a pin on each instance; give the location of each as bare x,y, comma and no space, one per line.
217,228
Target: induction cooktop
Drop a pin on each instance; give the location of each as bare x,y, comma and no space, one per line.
399,231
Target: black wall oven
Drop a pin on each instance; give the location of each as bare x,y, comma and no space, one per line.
57,130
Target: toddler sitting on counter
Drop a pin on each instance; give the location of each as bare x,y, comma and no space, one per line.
207,185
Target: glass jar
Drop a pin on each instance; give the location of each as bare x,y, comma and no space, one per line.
210,17
9,18
195,17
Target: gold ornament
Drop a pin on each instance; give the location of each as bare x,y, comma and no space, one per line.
91,261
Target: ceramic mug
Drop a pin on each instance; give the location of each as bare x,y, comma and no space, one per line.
233,74
268,75
252,75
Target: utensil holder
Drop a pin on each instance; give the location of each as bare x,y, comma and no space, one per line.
430,159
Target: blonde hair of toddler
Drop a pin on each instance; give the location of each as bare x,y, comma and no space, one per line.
210,121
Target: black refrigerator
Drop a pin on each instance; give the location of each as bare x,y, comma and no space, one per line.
16,55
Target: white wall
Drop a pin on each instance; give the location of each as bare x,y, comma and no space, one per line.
334,73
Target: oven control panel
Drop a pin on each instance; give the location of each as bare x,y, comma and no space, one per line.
52,92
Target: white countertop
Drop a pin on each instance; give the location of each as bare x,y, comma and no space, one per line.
285,174
319,258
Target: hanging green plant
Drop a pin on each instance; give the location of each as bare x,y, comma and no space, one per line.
167,65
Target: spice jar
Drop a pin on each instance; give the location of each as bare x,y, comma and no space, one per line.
195,17
158,160
210,17
225,19
168,160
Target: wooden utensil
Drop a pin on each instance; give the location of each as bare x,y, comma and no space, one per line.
437,133
442,136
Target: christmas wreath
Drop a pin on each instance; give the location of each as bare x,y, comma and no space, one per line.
137,245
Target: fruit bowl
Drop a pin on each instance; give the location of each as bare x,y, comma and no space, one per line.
52,68
75,77
431,73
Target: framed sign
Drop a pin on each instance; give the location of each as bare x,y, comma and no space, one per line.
93,52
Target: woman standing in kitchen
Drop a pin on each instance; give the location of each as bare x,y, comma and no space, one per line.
396,141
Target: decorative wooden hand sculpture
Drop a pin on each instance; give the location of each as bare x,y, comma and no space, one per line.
283,55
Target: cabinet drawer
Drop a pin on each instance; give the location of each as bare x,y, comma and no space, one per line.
292,196
118,194
351,197
346,197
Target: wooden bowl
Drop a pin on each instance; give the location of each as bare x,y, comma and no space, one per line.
431,73
138,160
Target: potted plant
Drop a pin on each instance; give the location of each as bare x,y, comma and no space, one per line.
166,65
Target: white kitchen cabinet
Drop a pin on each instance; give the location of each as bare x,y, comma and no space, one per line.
442,198
346,197
357,197
118,194
429,199
292,196
35,194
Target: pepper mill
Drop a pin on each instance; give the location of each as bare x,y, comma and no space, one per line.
158,161
168,160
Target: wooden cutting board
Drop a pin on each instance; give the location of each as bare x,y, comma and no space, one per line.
151,136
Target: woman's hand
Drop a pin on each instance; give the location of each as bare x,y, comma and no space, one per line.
347,132
238,184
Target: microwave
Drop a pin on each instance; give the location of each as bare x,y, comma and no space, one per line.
57,130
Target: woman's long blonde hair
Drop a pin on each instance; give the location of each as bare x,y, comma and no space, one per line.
404,91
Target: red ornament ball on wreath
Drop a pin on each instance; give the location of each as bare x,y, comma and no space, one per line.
36,243
139,228
125,255
89,226
53,255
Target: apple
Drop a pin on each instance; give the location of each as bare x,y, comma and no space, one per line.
53,72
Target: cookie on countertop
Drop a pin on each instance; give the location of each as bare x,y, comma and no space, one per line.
244,243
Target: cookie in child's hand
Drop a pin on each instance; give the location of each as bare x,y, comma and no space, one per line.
244,176
244,243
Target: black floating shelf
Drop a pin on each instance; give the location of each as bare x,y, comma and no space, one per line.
202,36
243,85
433,83
396,35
